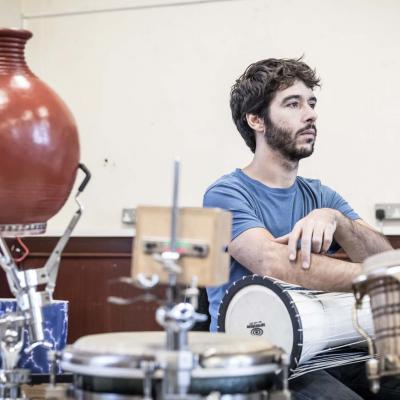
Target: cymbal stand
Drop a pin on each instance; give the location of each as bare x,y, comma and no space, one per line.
24,286
176,316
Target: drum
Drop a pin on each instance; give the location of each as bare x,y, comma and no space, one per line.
309,325
380,281
112,364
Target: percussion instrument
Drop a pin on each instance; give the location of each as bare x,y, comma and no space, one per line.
38,141
380,281
115,363
309,325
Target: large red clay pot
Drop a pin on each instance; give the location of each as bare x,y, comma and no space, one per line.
39,148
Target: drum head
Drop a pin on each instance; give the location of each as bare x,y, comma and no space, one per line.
261,307
112,362
382,264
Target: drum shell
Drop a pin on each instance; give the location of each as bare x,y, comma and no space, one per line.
198,386
380,280
384,294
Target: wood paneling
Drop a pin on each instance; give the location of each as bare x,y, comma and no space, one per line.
88,274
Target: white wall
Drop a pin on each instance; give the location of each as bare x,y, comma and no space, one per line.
10,13
151,81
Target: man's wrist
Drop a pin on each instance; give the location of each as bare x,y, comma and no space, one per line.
357,270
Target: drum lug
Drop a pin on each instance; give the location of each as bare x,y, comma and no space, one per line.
283,392
280,395
214,396
373,374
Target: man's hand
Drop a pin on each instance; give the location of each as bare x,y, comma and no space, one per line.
315,231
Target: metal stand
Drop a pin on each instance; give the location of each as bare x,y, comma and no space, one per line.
177,318
24,286
176,315
12,339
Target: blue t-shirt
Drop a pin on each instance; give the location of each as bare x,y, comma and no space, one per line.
255,205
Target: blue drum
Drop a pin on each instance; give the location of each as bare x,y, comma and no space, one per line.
55,317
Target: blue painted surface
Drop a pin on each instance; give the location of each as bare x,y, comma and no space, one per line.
55,318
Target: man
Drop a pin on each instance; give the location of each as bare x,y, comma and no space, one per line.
274,210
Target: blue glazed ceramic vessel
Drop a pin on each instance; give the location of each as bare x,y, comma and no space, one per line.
55,317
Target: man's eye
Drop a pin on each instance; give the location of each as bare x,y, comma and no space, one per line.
292,105
312,105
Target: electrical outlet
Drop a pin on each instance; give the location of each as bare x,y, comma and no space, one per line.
387,211
128,216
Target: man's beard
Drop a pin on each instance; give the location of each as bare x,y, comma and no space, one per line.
281,140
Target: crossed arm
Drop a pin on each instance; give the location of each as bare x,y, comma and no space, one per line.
262,254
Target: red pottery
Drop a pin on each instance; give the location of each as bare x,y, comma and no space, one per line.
39,147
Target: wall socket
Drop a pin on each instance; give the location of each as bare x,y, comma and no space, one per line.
387,211
128,216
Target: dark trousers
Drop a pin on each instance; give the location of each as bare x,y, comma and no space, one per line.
348,382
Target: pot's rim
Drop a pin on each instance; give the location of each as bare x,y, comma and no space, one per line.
15,32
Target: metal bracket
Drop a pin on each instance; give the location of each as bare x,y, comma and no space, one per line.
184,247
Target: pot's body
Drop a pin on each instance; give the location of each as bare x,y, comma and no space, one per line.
39,148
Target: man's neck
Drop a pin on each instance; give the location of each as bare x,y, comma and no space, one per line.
272,169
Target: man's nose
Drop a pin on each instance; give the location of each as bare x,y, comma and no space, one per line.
310,115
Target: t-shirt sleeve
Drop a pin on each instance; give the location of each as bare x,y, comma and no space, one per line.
235,200
332,199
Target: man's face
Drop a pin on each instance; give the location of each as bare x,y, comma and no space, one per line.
290,124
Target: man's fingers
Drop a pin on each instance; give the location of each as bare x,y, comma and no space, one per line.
328,238
306,247
294,237
317,239
282,239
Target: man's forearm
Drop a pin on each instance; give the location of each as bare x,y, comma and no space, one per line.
359,241
325,273
272,259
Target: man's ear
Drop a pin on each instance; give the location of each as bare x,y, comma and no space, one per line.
256,123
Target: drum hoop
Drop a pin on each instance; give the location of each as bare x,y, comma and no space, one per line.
277,287
84,394
105,372
126,366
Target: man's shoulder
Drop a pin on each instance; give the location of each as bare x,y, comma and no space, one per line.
229,189
230,180
314,184
308,181
326,195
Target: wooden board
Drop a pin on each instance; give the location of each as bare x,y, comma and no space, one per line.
204,225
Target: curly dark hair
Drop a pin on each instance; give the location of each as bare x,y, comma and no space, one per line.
254,90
